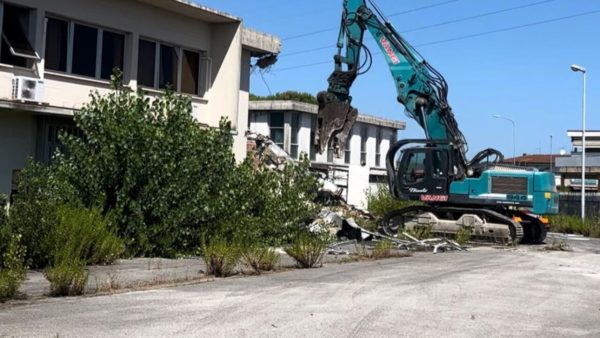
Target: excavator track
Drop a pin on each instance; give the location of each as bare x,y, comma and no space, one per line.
397,219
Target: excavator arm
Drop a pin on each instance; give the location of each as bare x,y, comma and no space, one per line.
420,88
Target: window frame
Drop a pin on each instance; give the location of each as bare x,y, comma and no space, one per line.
31,37
203,73
295,133
282,128
71,42
348,149
378,148
364,134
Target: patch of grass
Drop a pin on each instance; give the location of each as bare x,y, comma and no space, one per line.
421,231
67,278
574,225
463,236
220,256
307,250
12,270
259,257
387,249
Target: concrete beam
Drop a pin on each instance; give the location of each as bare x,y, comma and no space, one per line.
260,43
284,105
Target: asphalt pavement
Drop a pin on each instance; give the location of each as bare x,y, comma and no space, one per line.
525,291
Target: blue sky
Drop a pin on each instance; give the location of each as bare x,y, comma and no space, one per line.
522,74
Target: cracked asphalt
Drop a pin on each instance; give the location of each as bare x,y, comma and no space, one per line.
485,292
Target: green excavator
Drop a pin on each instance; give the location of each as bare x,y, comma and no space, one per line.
494,201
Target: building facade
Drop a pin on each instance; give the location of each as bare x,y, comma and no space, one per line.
54,53
291,125
569,167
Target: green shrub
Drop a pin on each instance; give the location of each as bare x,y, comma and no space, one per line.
67,278
259,257
463,236
83,234
3,211
12,270
574,225
380,201
33,213
220,256
307,250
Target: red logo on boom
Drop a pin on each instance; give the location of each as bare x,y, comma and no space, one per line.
388,49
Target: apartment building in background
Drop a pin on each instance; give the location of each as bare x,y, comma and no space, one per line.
292,124
54,53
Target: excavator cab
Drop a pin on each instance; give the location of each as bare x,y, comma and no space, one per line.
423,172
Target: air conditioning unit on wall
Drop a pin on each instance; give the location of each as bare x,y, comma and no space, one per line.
27,89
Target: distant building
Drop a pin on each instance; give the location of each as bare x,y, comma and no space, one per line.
569,167
53,53
292,125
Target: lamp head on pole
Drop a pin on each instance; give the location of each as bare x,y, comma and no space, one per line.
577,68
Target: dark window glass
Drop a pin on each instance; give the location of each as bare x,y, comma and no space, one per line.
415,170
363,146
113,49
330,153
347,152
189,72
84,50
277,135
313,127
146,62
294,135
15,32
440,163
57,36
167,68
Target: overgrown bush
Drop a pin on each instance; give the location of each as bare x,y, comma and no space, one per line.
307,249
3,211
67,278
574,225
83,234
33,212
270,205
220,256
12,270
421,231
259,257
380,201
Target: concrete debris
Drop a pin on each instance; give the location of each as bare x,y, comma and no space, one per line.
350,231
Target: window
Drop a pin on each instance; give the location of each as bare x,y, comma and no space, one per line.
16,48
440,163
276,128
347,153
190,72
294,135
57,39
330,151
167,67
113,51
415,169
363,145
84,50
81,49
146,63
378,148
313,128
163,66
48,131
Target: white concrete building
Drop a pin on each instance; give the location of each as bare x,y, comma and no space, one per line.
292,124
53,53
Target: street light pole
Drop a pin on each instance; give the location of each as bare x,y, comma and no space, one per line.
582,70
551,159
513,130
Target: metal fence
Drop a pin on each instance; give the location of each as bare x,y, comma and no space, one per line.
570,204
